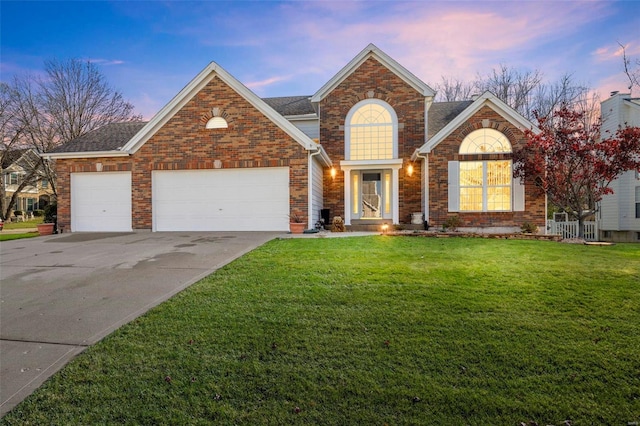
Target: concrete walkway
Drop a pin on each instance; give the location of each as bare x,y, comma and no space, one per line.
62,293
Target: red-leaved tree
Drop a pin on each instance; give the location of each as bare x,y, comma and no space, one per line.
572,164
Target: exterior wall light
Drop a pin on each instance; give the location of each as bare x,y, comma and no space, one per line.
333,173
410,170
384,228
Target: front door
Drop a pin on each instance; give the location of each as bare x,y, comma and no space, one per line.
371,197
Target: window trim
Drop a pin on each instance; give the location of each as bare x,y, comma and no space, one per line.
347,127
485,187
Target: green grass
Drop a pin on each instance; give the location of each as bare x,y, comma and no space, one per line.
22,225
373,331
8,237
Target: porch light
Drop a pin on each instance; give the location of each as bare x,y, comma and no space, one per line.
333,173
410,170
384,228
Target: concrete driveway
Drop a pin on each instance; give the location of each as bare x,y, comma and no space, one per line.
62,293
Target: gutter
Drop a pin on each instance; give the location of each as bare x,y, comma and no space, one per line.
89,154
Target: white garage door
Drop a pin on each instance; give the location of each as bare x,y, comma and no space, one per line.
221,200
101,202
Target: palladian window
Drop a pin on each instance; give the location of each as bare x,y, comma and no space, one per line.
485,185
371,131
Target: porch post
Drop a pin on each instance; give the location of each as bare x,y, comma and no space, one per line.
395,215
347,195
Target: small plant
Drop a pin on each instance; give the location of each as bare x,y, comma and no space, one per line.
295,218
51,213
452,223
529,228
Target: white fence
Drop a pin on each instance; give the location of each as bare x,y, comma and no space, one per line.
570,229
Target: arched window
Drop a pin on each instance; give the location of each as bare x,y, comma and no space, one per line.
485,185
485,141
216,123
371,131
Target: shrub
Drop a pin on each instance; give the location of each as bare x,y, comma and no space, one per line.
452,223
51,213
38,213
529,228
17,213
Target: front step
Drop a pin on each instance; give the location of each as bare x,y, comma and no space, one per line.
377,227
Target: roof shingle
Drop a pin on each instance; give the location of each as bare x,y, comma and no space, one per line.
107,138
291,105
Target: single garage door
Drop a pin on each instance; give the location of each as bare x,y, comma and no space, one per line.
101,202
221,200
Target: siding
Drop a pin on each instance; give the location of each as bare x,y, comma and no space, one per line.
310,127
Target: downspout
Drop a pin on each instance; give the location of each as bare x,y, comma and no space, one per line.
425,158
310,186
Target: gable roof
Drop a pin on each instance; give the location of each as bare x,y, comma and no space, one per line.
91,148
291,105
210,72
372,51
110,137
442,113
486,99
12,155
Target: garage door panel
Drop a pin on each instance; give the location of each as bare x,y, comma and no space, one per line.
101,202
221,200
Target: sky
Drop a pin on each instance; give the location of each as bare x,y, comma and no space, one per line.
149,50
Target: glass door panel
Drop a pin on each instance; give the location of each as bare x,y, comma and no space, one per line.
371,195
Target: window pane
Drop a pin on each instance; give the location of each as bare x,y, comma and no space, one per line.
471,173
483,141
470,199
498,173
499,198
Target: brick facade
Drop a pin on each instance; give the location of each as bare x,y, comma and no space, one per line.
183,143
448,150
254,140
409,106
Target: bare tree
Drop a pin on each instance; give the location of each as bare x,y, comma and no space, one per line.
631,70
78,99
72,99
453,89
524,91
513,86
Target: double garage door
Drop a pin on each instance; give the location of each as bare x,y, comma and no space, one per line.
185,200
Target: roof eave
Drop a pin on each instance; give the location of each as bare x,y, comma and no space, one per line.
211,71
83,154
486,99
373,51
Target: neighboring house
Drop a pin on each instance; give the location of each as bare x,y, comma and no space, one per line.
16,167
619,214
370,146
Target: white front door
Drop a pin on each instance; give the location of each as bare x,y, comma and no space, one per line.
371,194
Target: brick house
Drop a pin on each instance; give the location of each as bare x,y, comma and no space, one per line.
370,146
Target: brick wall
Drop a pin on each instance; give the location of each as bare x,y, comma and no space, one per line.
409,107
183,143
447,151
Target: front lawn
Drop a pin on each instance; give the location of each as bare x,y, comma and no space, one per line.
374,331
23,225
8,237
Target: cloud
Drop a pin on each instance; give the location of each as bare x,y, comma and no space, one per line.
105,62
256,85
